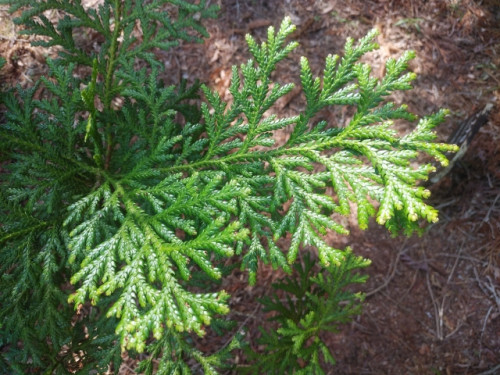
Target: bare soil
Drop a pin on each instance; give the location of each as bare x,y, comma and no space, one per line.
433,302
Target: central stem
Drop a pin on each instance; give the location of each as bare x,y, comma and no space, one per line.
109,81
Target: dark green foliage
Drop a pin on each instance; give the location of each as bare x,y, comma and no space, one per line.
314,302
117,189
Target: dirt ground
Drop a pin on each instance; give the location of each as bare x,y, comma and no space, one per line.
433,302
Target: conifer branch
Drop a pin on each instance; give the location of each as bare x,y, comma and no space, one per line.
133,217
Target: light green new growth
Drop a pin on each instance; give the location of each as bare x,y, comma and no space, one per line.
128,203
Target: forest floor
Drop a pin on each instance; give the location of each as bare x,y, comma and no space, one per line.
433,302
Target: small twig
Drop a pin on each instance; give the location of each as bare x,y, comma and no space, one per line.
438,312
491,371
484,324
458,256
461,323
487,217
391,275
412,284
471,237
446,204
127,367
479,283
250,316
457,259
491,287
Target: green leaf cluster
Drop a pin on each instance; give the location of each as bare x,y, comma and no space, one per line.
119,190
311,302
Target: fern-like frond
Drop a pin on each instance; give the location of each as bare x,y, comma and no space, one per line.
316,301
124,187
